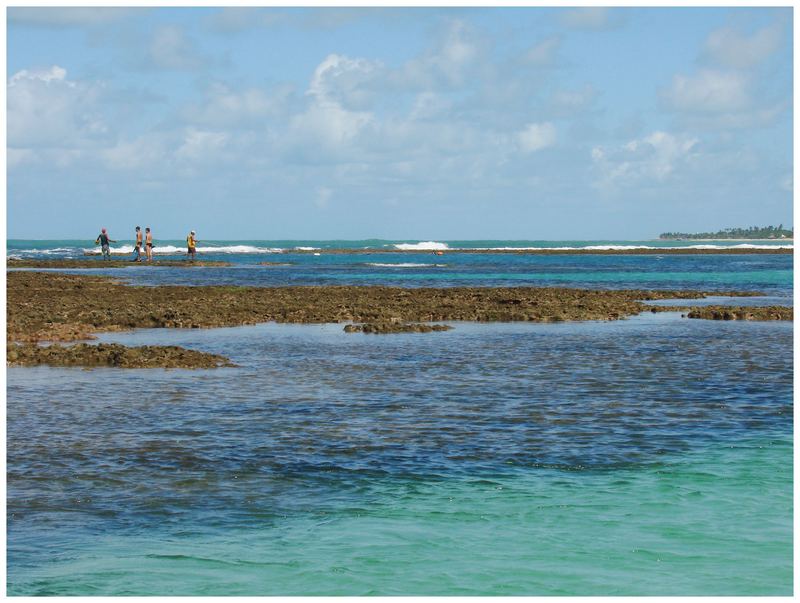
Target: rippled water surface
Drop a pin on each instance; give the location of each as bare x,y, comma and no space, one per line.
771,274
645,456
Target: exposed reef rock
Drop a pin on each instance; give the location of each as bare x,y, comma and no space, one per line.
741,313
395,327
113,355
54,306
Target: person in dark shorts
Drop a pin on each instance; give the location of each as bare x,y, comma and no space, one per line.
104,242
148,243
191,245
137,250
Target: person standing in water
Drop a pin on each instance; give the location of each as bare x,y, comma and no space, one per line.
137,250
148,243
104,241
191,245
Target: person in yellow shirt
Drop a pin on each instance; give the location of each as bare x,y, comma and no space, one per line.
191,244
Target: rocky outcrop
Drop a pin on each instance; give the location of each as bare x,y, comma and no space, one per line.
395,327
741,313
112,355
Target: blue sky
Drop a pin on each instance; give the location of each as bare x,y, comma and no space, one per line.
521,123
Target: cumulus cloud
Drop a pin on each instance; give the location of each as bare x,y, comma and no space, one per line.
731,48
445,65
537,136
648,160
170,49
225,107
709,91
430,105
345,81
731,89
44,108
139,154
326,129
201,146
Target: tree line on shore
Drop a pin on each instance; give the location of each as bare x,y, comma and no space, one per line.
753,232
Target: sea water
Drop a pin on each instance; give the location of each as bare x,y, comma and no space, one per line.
645,456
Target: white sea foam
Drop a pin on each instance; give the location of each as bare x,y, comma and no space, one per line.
306,248
52,251
628,247
172,249
423,246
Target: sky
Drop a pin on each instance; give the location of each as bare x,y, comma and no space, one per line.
407,123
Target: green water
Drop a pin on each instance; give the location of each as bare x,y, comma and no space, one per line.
716,521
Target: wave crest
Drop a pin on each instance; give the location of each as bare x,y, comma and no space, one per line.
423,246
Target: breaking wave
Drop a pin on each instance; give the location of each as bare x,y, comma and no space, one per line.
423,246
629,247
171,249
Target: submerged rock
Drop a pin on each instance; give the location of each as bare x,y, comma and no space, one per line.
395,327
742,313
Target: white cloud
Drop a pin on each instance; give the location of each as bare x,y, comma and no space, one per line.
537,136
55,73
732,89
447,64
709,91
170,49
201,146
648,160
345,81
430,105
734,49
543,53
44,108
228,108
140,154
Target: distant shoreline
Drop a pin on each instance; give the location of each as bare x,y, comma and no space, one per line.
787,239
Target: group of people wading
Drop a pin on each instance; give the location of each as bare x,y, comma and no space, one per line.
147,240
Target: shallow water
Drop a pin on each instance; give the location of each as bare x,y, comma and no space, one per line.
771,274
644,456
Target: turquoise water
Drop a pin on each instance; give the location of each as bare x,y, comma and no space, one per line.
645,456
714,522
771,274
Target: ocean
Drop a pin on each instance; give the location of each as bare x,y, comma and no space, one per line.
647,456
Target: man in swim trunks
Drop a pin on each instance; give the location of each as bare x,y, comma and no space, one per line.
137,250
191,244
103,241
148,243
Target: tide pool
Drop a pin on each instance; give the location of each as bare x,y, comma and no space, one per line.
645,456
